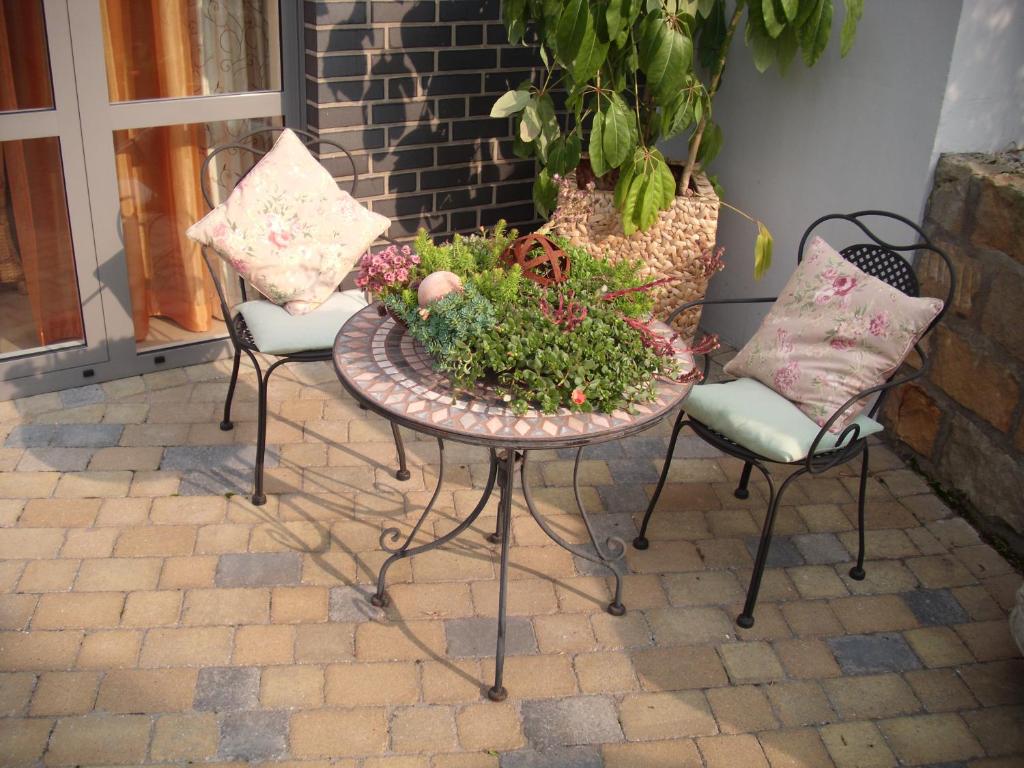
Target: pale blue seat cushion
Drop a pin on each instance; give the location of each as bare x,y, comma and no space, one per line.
753,416
278,333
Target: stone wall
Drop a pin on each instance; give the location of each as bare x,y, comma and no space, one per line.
407,87
963,421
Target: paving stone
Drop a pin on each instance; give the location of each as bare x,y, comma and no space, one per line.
253,735
352,604
935,606
88,395
635,471
781,554
55,459
613,449
87,435
262,569
224,689
30,436
883,652
625,498
479,636
214,469
571,757
821,548
570,722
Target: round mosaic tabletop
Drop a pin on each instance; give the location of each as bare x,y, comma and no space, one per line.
391,373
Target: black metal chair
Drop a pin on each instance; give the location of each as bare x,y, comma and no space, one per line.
882,260
257,143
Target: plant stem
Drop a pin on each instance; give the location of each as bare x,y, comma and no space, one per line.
716,79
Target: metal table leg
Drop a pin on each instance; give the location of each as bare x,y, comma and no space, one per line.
507,463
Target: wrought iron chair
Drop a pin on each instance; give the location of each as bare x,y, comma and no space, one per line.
241,337
882,260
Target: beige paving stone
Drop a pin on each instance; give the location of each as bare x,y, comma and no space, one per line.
24,740
446,565
650,716
674,626
677,753
59,513
614,632
982,561
195,572
882,577
930,739
84,485
551,562
10,509
605,672
533,677
294,605
527,597
290,536
452,680
339,732
1003,589
938,646
741,751
324,643
815,582
938,571
751,662
811,619
857,745
396,761
188,510
989,640
15,691
123,512
358,684
156,541
226,606
800,703
581,594
27,485
188,736
405,641
152,485
940,690
10,572
151,609
641,592
491,727
424,728
741,709
679,668
723,553
118,574
431,601
871,696
119,458
665,557
84,543
874,613
99,739
30,543
998,729
800,748
126,691
221,538
16,610
64,693
823,518
803,659
75,610
135,435
186,646
288,687
702,588
591,472
110,649
564,633
38,650
264,644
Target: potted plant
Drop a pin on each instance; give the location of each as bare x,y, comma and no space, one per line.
636,72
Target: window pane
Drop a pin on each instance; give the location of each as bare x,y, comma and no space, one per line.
24,62
160,49
39,302
173,296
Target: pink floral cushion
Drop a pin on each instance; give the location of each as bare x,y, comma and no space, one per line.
288,229
834,331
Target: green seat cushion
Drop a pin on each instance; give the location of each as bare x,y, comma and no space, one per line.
278,333
762,421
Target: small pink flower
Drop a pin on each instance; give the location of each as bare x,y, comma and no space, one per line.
842,343
879,324
784,343
578,396
786,376
843,285
823,296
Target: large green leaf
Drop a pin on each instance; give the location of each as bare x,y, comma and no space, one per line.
705,7
549,130
790,8
677,115
710,143
596,146
545,193
786,48
854,10
529,127
762,251
712,36
762,46
815,32
564,154
619,134
773,22
807,7
509,103
513,13
664,183
630,203
579,49
665,57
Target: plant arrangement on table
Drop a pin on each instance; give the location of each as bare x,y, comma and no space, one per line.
546,324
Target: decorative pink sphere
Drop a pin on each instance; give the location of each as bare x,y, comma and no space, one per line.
436,286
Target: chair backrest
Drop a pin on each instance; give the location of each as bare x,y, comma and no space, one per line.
882,259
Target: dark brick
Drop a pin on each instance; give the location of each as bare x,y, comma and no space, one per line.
87,435
481,58
563,757
227,689
497,34
499,82
404,11
404,112
478,636
419,37
633,471
372,187
446,85
570,722
935,606
622,498
449,177
403,160
339,39
513,171
781,554
513,214
253,736
402,63
336,66
469,10
401,182
404,206
464,221
469,35
258,569
353,141
515,193
866,654
341,117
402,88
821,548
480,106
512,58
335,13
451,108
340,167
424,133
352,605
435,225
480,129
344,91
462,153
463,198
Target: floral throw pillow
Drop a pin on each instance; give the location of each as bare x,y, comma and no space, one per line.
834,331
288,229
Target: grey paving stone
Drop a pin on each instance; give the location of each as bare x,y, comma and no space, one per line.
625,498
633,470
646,447
253,735
570,722
260,569
227,689
566,757
781,553
478,636
935,606
88,395
215,469
616,524
864,654
821,548
610,450
352,604
30,436
55,459
692,447
586,567
88,435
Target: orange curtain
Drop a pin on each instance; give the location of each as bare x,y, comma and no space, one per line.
158,168
34,182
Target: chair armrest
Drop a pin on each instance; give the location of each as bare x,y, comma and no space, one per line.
852,431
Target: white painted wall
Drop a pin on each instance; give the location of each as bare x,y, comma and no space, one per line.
847,135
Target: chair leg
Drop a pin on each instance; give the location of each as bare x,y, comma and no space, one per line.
857,572
741,491
259,498
746,618
641,542
227,424
403,470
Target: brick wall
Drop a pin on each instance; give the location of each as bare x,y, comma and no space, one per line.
964,421
407,87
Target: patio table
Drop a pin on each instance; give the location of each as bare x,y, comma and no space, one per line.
386,370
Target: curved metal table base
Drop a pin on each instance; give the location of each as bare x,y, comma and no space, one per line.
502,472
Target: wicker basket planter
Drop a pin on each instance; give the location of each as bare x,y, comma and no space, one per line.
674,246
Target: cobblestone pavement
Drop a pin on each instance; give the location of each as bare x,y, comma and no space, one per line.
150,614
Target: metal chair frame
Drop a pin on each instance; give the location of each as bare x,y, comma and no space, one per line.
882,260
241,338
